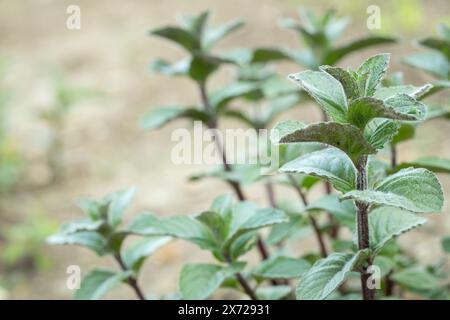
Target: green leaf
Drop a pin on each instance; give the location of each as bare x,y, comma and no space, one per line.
384,93
371,72
244,220
195,24
285,230
346,137
436,87
136,254
184,227
219,99
386,223
441,45
379,132
405,132
80,225
330,164
93,209
338,53
363,110
159,117
345,78
435,164
273,292
180,36
432,62
415,278
179,68
326,275
281,268
199,281
118,202
213,35
407,105
326,90
344,211
203,65
89,239
385,264
416,190
98,282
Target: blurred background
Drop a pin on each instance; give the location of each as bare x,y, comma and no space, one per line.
70,101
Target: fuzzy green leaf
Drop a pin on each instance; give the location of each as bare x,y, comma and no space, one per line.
281,268
363,110
329,164
386,223
199,281
98,282
416,190
371,72
326,90
326,275
379,132
346,137
384,93
345,78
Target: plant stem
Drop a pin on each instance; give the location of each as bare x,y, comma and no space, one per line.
132,282
363,226
315,225
270,193
212,124
248,290
393,156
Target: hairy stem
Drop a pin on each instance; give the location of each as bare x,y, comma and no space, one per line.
131,281
363,227
315,225
212,124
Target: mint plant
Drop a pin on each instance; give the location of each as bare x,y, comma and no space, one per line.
228,230
320,36
365,118
100,232
198,40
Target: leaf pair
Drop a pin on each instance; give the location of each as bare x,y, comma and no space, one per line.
436,61
98,231
351,96
226,229
194,36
